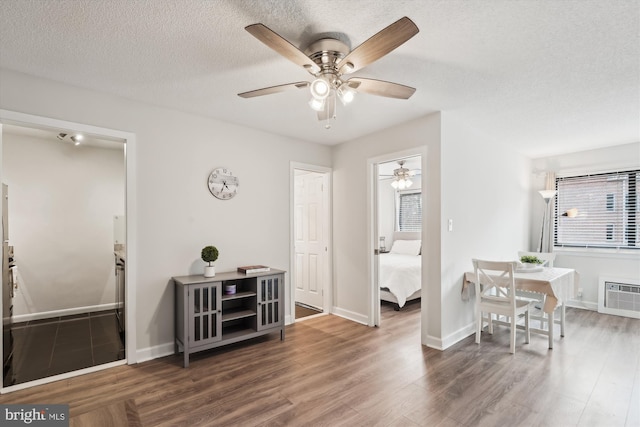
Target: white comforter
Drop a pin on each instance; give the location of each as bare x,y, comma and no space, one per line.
400,274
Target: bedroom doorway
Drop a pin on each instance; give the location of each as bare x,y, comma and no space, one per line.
396,201
310,241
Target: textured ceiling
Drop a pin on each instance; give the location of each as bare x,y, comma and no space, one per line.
546,77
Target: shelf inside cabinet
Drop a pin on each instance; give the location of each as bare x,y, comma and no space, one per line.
238,295
236,332
237,314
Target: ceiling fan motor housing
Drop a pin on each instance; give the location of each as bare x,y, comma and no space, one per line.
328,53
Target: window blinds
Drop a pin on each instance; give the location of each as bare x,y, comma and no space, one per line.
600,210
410,212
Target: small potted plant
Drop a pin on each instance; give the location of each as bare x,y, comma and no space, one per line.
530,261
209,254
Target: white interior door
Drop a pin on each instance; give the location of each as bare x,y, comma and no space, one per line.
309,242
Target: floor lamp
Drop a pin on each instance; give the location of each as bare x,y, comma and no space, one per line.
547,195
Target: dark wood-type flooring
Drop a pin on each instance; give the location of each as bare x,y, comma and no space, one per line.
305,311
333,372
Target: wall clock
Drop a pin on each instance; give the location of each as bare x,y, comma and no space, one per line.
223,184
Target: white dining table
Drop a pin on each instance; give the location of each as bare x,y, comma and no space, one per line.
557,284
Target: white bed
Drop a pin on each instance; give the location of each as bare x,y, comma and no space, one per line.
399,273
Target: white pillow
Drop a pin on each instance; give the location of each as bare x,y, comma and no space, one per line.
406,247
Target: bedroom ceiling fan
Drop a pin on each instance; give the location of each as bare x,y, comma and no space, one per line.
402,177
329,59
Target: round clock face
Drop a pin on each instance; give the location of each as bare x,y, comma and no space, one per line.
223,184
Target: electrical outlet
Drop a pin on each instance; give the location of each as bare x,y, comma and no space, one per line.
450,225
579,292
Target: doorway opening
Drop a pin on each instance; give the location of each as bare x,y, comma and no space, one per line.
396,201
65,217
310,241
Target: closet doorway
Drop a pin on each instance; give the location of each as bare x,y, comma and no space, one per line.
310,241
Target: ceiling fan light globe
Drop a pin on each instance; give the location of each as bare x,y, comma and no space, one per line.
394,184
345,94
408,183
316,104
319,88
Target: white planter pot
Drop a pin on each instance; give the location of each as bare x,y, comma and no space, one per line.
209,271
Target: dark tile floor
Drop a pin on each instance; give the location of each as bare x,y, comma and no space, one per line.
47,347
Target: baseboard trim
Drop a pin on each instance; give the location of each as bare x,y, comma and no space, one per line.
585,305
350,315
433,342
155,352
458,335
64,312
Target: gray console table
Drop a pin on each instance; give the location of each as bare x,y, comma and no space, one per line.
207,317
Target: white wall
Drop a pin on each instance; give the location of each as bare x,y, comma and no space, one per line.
482,186
485,191
350,160
177,215
591,263
62,201
386,211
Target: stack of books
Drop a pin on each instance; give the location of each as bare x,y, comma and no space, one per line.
250,269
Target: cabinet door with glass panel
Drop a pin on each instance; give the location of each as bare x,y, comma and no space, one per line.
205,313
270,301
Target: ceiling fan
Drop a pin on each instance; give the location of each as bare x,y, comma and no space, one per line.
402,176
328,59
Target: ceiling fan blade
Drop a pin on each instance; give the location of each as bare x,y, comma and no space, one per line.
381,88
379,45
282,46
273,89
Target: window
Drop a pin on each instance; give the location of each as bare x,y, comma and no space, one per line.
409,211
600,210
611,201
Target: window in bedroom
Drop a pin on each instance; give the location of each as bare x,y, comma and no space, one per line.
409,211
599,210
611,202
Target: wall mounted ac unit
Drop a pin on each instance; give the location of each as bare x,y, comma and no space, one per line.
619,296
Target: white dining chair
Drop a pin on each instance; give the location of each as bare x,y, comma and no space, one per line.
495,294
538,299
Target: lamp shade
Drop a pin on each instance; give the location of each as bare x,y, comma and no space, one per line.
547,194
